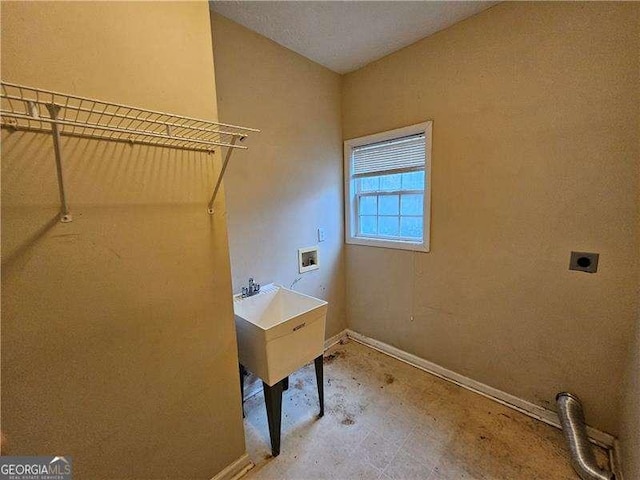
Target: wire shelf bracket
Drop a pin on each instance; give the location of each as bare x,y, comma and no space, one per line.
45,111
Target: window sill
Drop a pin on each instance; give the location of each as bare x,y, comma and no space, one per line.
394,244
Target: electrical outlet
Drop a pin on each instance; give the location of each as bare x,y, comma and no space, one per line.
584,262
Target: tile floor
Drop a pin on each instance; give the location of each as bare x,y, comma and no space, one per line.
387,420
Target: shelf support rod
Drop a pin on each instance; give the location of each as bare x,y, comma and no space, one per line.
65,215
222,170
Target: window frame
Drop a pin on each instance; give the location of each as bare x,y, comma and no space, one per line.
352,196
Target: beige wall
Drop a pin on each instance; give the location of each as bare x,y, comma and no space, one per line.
118,344
630,422
535,154
289,182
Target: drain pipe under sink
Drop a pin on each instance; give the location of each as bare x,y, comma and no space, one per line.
573,425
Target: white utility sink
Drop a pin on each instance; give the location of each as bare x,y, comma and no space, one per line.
279,331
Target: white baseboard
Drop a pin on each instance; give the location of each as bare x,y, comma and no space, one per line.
235,470
547,416
330,342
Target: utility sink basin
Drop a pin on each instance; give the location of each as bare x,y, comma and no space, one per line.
279,331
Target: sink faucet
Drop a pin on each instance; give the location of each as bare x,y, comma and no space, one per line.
251,290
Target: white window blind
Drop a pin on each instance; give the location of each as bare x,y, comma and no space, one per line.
399,155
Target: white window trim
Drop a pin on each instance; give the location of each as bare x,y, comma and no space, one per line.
350,197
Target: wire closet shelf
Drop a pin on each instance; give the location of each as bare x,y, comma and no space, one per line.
39,110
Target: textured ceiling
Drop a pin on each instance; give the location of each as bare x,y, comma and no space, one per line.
346,35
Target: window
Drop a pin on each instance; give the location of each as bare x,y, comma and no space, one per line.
387,194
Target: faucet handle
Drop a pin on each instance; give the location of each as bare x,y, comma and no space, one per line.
251,289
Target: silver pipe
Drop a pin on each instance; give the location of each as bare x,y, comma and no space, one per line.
575,432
